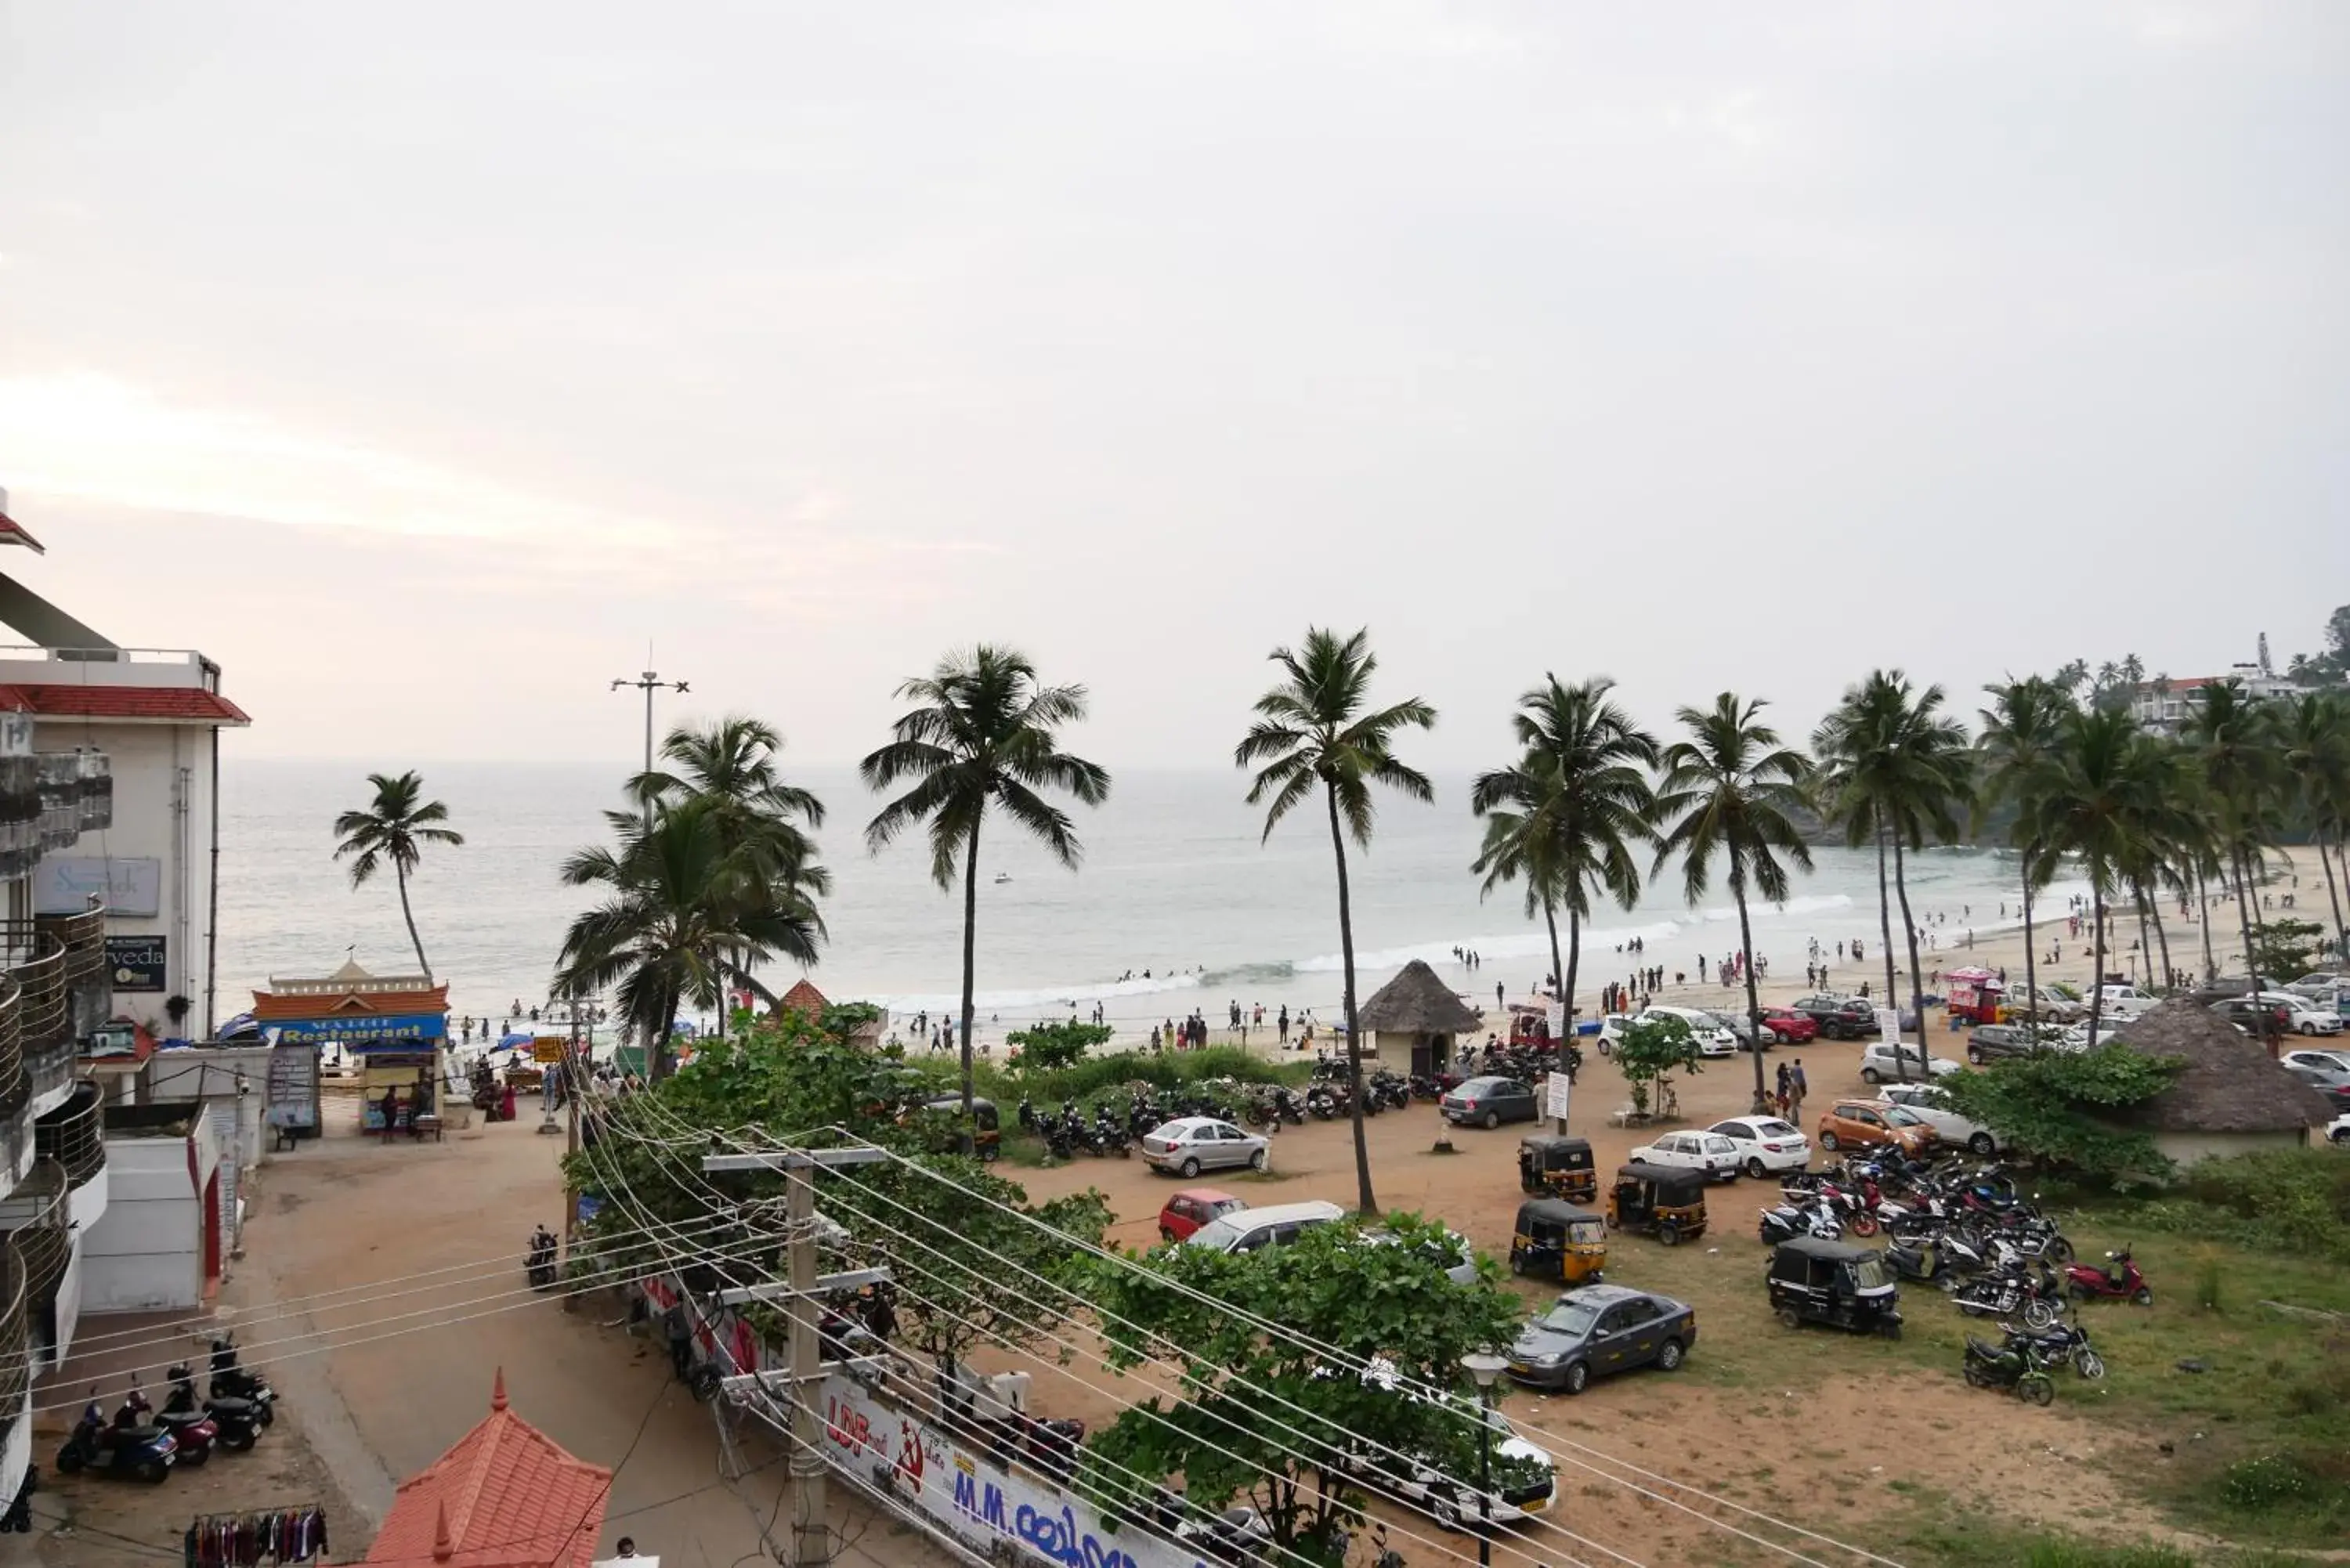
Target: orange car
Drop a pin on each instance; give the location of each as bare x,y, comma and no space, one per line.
1871,1124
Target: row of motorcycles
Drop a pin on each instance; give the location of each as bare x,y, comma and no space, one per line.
142,1443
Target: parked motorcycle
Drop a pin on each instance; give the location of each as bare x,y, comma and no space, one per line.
2008,1366
2066,1342
190,1429
538,1263
138,1453
231,1380
233,1420
1789,1221
2118,1280
2033,1297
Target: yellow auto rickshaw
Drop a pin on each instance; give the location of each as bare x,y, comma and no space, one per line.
1662,1200
1558,1167
1556,1241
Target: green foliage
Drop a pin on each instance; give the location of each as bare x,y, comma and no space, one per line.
2058,1108
1655,1047
2285,948
2286,1200
843,1017
2266,1480
1047,1047
1264,1417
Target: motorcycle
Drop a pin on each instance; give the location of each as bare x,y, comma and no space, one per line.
538,1263
2118,1280
1789,1221
2009,1295
1027,1115
232,1418
190,1429
1110,1134
141,1453
2008,1366
2066,1342
233,1381
1323,1102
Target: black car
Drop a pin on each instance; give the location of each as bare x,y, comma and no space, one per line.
1991,1042
1599,1329
1839,1017
1490,1102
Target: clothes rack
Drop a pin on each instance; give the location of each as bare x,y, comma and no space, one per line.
261,1538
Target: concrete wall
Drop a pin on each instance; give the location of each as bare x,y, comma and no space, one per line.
147,1252
209,1073
2186,1149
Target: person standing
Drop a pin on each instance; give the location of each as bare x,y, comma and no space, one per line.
1280,1026
1798,1088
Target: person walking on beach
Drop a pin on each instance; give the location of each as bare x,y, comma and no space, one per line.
1796,1087
1786,1082
1280,1026
1500,991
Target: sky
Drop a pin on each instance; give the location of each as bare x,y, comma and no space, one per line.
425,365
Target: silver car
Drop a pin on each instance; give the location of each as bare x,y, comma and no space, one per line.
1190,1145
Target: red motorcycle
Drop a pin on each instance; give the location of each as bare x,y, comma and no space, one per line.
2119,1280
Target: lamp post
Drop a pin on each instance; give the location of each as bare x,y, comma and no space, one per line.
1485,1367
649,682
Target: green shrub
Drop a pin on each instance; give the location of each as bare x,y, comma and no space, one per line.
2284,1200
2266,1481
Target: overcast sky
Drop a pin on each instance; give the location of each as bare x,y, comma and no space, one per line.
421,363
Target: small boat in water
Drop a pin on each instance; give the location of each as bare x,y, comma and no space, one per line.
1002,877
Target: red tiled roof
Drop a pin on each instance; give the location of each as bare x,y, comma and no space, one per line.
507,1496
361,1002
160,704
15,533
803,998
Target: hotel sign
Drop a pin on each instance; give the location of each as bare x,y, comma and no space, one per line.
65,884
139,963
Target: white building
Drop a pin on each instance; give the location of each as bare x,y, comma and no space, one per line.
2164,703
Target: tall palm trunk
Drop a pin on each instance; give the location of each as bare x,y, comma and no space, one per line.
2030,956
1753,1000
969,955
2145,937
2203,918
1917,976
2332,895
2097,952
399,873
1885,920
1363,1200
1558,978
1574,963
2244,922
2162,939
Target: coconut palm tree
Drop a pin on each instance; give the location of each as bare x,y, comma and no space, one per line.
1564,818
2235,744
393,829
1892,763
1732,789
2087,802
2021,732
2317,756
688,912
983,735
1317,730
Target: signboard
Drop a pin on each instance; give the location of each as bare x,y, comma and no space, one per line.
64,884
359,1028
547,1051
138,963
1561,1087
1889,1025
1556,1015
15,734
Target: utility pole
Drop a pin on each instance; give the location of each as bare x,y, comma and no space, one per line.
648,682
801,1296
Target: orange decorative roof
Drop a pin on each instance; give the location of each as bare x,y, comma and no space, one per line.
803,998
15,533
273,1007
507,1496
148,704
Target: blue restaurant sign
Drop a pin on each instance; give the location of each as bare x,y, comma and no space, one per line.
361,1029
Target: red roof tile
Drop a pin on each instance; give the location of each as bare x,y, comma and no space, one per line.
507,1496
160,704
803,997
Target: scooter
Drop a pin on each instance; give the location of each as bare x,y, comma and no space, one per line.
231,1381
1789,1221
191,1429
141,1453
538,1265
231,1419
2118,1280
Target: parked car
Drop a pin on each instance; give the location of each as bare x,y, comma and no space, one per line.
1459,1263
1931,1105
1712,1038
2320,986
1989,1042
1250,1229
1525,1477
1766,1144
1189,1144
2049,1003
2338,1060
1878,1063
2126,1002
1710,1152
1599,1329
1490,1102
1789,1027
2253,1017
2304,1016
2337,1131
1192,1208
1872,1123
2324,1074
1838,1017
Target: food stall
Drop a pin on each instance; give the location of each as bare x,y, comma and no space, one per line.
1974,995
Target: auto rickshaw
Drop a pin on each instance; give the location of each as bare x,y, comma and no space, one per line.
1560,1166
1555,1240
1814,1280
984,1139
1662,1200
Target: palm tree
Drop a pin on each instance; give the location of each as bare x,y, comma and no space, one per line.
1578,799
688,911
2087,802
1313,729
2317,754
1891,764
395,826
2020,733
983,735
2234,741
1736,791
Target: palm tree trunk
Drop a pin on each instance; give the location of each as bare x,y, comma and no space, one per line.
1917,977
2097,952
1363,1200
2145,937
2162,939
657,1048
2333,896
1885,921
1574,963
970,950
400,872
2030,958
1558,978
1754,998
2244,920
2203,918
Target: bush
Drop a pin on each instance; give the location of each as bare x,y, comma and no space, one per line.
1161,1070
2265,1481
2282,1200
1048,1047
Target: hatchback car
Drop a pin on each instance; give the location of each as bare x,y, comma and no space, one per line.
2320,986
2337,1060
1991,1042
1931,1105
1872,1123
1190,1145
2337,1131
1599,1329
1710,1152
1766,1144
1838,1017
2323,1075
1789,1026
1254,1230
1192,1208
1490,1102
1878,1063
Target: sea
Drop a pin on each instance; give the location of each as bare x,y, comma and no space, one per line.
1182,903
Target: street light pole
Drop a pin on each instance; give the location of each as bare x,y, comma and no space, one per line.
648,682
1486,1368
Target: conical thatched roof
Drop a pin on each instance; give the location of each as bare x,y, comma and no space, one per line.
1417,1002
2230,1084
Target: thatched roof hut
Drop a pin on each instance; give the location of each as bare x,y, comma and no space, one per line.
2232,1096
1408,1023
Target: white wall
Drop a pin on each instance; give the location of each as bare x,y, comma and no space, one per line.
147,1252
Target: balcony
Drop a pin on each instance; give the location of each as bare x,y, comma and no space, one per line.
90,988
16,1084
74,1136
39,1217
15,1369
45,1040
20,814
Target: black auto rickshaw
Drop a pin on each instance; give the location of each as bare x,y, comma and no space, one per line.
1814,1280
1556,1241
1560,1166
984,1138
1662,1200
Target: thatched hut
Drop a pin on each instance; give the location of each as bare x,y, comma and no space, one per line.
1408,1023
2232,1098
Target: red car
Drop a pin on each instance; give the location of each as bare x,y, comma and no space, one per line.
1792,1028
1192,1208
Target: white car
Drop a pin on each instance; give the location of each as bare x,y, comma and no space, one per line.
1713,1039
2126,1002
1930,1106
2325,1061
2319,985
1710,1152
1766,1144
2337,1131
1878,1063
2304,1016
